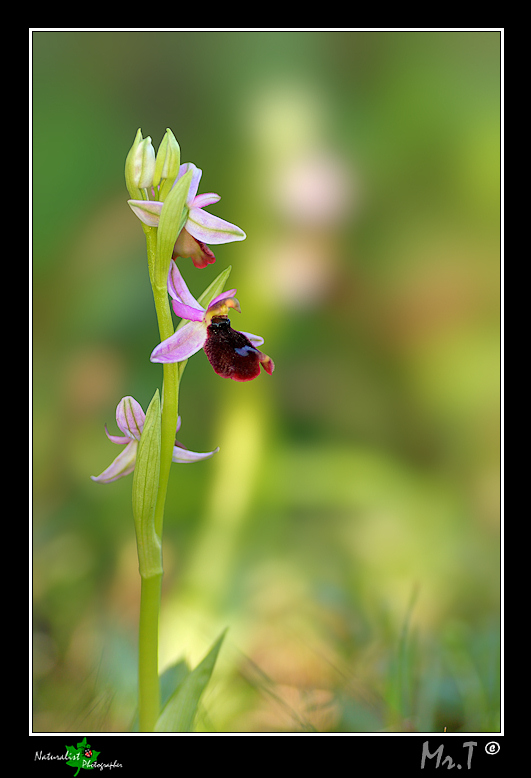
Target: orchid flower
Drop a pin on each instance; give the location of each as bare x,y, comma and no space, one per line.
201,227
130,419
232,354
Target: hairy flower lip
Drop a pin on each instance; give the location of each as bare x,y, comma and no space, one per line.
232,354
130,419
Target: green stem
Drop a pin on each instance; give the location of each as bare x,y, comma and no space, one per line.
148,650
170,387
151,587
170,412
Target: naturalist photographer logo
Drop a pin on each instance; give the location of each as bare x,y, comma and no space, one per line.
81,757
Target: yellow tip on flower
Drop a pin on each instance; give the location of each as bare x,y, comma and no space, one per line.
222,308
232,302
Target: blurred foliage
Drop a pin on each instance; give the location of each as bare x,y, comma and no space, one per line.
348,531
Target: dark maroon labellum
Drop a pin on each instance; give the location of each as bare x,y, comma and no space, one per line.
231,353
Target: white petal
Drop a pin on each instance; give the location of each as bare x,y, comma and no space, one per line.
256,340
211,229
148,211
178,289
130,417
196,178
202,200
122,465
183,456
188,340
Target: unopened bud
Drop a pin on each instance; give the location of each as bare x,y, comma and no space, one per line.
167,164
139,166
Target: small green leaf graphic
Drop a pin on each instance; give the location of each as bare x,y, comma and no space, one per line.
79,759
179,713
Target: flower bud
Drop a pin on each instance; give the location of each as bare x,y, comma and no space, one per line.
144,164
167,164
132,188
139,166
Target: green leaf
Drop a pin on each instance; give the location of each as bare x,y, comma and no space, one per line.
179,713
145,487
172,219
170,679
215,288
77,758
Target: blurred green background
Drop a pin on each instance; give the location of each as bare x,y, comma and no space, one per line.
348,531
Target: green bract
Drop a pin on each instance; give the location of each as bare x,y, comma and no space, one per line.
145,486
172,219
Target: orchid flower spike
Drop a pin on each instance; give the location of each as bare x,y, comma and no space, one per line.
201,227
232,354
130,419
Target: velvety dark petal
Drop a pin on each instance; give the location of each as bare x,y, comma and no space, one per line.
231,353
